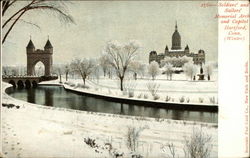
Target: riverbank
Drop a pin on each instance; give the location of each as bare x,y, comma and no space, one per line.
61,132
137,97
141,101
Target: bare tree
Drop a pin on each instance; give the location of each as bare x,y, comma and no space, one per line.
66,71
135,67
208,70
58,69
190,69
142,69
96,73
198,145
153,69
19,70
133,135
120,57
170,148
83,67
6,70
57,8
169,71
104,63
176,61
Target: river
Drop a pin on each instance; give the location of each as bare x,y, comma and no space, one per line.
57,96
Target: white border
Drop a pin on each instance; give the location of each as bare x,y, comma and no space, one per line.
232,57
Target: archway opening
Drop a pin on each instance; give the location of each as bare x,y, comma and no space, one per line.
27,84
39,69
13,83
20,84
34,83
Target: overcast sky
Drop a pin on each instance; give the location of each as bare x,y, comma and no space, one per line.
151,23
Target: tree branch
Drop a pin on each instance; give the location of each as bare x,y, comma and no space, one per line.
66,18
5,36
15,14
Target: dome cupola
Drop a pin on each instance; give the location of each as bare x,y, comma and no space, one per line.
176,39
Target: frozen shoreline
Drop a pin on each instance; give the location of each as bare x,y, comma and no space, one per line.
145,102
60,132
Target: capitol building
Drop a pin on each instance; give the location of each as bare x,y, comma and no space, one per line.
177,51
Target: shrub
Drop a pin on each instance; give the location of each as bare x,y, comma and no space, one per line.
170,148
133,135
201,100
156,97
187,100
168,98
124,92
131,94
145,96
71,84
109,91
153,88
140,95
129,87
212,100
182,99
80,85
198,145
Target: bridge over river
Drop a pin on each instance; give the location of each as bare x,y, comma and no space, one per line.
26,81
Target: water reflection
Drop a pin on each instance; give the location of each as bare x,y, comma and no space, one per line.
31,95
58,97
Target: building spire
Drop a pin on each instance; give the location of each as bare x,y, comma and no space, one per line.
176,27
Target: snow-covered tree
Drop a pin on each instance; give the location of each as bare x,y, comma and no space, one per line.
6,70
10,70
58,69
120,57
19,70
168,68
104,63
96,73
153,69
208,70
136,67
190,69
176,61
142,69
83,67
66,71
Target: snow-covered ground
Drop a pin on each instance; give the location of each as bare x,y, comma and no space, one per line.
196,92
39,131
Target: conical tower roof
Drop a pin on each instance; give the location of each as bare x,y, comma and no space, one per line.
166,47
30,44
48,45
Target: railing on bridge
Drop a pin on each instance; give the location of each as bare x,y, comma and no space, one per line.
26,76
27,81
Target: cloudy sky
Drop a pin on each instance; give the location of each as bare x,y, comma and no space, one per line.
151,23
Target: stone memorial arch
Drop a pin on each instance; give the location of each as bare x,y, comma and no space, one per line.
36,55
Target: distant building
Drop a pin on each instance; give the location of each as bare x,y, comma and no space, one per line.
177,51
